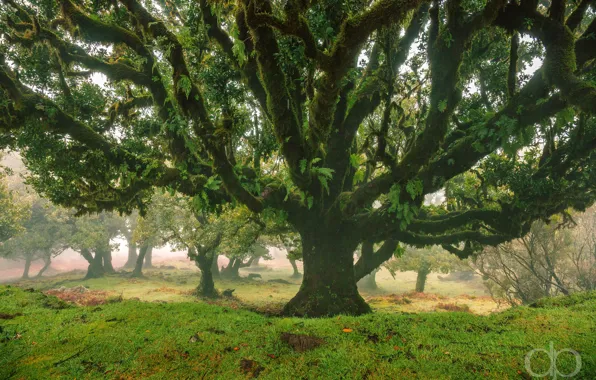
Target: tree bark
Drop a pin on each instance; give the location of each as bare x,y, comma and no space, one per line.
27,267
149,257
296,273
215,267
206,286
423,272
231,271
132,254
138,271
328,286
47,261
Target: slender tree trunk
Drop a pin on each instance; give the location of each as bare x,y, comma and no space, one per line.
206,286
132,254
27,267
95,268
215,267
369,282
423,272
328,286
138,271
149,258
47,261
296,273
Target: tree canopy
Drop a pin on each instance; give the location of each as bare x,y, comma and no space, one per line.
342,115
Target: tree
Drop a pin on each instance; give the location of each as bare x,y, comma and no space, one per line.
552,259
91,237
13,211
129,224
425,261
270,105
45,235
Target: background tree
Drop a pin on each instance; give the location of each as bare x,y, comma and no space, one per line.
45,235
552,259
425,261
13,211
92,236
186,97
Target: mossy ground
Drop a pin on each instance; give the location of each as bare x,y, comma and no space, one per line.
134,339
174,285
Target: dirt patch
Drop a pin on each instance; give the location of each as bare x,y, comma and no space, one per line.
81,296
453,307
9,316
251,367
301,342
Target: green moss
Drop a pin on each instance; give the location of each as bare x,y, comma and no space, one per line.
153,340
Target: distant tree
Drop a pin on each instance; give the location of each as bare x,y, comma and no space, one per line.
583,251
13,211
92,236
552,259
46,233
127,228
425,261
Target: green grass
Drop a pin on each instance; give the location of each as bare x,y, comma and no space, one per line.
134,339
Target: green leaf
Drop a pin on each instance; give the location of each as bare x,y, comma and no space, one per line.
303,165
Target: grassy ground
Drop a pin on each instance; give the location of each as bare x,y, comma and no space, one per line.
174,285
42,337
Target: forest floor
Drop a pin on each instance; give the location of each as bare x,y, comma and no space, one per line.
175,281
42,336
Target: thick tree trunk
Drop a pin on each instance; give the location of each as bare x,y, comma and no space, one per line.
231,271
328,286
47,261
95,268
215,267
423,272
206,286
296,273
149,258
132,255
138,271
27,267
369,282
107,260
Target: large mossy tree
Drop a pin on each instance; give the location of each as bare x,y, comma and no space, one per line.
343,115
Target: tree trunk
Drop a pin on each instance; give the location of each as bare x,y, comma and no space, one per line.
215,267
423,272
138,271
369,282
27,267
206,286
107,260
296,273
149,258
255,262
47,261
95,268
329,286
231,271
132,255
